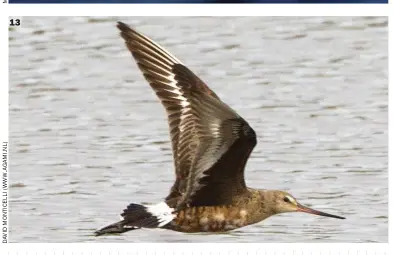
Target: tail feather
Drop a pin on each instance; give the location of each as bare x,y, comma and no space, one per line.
134,212
137,216
115,228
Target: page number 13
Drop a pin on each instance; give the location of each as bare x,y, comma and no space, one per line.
14,22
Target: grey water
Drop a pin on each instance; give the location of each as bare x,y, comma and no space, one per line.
88,135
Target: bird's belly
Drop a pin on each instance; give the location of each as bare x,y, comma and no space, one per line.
209,219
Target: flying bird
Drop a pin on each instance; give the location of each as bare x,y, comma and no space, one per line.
211,144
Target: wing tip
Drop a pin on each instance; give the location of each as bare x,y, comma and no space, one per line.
126,31
122,26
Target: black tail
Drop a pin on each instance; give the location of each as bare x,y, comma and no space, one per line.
115,228
140,216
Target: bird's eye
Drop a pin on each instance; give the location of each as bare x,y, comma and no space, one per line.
286,199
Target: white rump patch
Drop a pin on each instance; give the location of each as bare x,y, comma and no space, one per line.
163,213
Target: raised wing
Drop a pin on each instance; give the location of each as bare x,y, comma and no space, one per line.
211,143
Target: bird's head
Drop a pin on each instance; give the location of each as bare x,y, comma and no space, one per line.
284,202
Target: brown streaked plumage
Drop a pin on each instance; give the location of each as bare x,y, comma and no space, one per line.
211,144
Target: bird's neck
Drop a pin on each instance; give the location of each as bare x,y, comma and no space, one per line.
260,205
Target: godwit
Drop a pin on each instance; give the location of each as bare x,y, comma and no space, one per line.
211,144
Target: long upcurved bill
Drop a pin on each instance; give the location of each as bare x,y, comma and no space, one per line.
302,208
